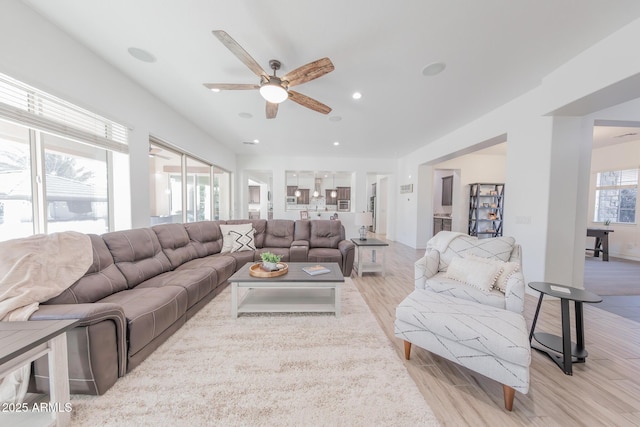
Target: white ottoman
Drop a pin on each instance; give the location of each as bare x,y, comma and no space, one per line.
491,341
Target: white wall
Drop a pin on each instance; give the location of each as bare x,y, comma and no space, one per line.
38,53
547,217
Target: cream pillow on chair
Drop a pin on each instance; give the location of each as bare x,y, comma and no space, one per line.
508,268
473,272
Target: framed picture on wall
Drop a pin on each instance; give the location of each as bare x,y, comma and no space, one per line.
304,214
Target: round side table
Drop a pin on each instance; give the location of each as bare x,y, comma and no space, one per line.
560,349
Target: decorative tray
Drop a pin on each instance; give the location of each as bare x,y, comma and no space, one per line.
256,271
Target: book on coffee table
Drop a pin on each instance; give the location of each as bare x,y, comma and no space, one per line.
315,270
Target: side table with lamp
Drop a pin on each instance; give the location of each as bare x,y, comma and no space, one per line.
372,264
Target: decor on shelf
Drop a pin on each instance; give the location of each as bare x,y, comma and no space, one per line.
363,219
486,203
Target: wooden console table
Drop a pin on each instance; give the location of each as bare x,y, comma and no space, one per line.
602,242
20,344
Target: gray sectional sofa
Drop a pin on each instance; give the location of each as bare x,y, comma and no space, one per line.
145,283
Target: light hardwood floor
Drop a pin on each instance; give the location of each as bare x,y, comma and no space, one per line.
604,391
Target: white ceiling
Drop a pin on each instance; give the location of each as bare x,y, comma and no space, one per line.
495,50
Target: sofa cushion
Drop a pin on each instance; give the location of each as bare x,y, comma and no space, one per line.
224,266
198,282
324,255
102,279
137,253
206,237
302,230
175,243
325,234
149,311
243,257
279,233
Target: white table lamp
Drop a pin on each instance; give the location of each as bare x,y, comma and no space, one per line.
364,220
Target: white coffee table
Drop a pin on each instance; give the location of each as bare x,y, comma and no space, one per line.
293,292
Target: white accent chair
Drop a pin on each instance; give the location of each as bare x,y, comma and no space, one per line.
430,270
482,331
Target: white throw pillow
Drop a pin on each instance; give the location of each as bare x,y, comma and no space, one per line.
476,273
243,241
227,240
508,268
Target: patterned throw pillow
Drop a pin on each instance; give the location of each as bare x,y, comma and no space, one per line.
242,241
227,239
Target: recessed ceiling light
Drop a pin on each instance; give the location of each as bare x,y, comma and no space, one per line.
434,69
356,95
336,143
245,115
335,118
141,54
256,141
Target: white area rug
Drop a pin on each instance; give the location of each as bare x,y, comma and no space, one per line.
266,370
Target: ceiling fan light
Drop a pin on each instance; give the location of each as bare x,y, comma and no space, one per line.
273,93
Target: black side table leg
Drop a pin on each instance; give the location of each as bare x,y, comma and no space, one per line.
535,317
579,330
566,337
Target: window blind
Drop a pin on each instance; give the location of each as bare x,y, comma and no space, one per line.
21,103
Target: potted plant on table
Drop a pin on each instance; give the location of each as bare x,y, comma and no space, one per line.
270,261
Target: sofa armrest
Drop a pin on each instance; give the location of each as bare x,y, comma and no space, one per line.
89,314
348,251
299,251
514,293
426,267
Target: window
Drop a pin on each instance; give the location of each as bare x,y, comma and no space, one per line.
185,189
616,193
55,164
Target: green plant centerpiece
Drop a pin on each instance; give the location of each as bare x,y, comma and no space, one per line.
270,261
607,223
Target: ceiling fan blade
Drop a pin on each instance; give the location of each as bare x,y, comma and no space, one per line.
239,52
311,103
308,72
272,110
231,86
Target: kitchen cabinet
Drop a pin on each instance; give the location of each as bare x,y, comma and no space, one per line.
441,224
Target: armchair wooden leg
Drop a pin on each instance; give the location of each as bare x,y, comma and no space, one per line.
407,349
509,394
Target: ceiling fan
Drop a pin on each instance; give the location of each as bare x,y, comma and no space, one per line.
275,89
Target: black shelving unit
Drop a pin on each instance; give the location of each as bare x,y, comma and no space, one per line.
486,203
